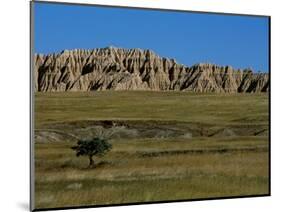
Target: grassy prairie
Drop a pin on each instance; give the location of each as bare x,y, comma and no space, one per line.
156,168
141,105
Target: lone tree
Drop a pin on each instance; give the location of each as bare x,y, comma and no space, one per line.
92,147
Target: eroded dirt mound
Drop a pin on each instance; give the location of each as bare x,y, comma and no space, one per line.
72,131
136,69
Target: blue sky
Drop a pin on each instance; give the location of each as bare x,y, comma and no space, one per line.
190,38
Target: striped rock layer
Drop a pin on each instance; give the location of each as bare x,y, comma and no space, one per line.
135,69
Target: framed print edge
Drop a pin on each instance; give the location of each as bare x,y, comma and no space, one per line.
32,113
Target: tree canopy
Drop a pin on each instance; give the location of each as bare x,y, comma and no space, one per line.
92,147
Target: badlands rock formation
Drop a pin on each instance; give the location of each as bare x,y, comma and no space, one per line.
135,69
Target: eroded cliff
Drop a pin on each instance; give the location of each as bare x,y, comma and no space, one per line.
136,69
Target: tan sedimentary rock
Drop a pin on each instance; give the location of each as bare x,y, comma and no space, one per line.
135,69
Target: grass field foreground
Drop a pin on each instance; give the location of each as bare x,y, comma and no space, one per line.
159,168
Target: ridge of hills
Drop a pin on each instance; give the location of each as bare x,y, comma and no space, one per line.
114,68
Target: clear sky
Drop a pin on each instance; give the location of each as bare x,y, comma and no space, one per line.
190,38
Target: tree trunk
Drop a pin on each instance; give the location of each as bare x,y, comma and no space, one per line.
91,164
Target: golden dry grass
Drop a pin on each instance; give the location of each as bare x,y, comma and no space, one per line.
125,176
152,169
